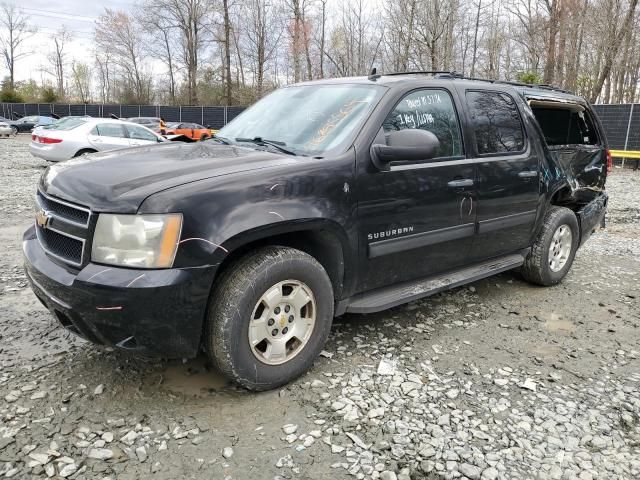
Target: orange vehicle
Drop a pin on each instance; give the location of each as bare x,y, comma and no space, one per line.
192,130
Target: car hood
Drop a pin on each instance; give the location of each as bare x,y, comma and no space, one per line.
119,181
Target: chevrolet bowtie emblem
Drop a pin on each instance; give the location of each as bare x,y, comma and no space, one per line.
43,219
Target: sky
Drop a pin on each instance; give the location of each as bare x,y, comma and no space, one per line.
48,16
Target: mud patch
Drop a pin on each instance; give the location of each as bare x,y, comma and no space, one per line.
194,378
557,324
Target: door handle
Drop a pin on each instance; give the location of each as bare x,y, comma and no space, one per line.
465,182
528,174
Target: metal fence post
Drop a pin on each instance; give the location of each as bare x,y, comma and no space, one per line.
626,139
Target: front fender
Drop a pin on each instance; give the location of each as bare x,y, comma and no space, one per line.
224,213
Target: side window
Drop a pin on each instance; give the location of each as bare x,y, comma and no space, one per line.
496,122
431,110
110,130
138,133
565,125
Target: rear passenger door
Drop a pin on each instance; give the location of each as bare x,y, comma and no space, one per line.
108,136
507,173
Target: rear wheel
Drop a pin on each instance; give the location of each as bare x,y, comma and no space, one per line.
84,151
554,249
269,317
203,137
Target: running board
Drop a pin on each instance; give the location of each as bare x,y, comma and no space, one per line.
388,297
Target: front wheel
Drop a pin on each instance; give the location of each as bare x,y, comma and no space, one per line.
269,317
554,249
14,131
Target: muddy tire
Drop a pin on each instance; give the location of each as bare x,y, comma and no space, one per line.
554,249
269,317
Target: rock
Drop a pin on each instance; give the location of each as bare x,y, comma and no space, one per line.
529,384
337,449
41,458
388,475
308,441
289,428
490,473
470,471
227,452
107,437
99,390
68,470
129,438
453,393
501,382
100,453
141,453
386,367
318,384
357,440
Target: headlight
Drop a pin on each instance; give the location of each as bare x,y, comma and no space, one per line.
142,241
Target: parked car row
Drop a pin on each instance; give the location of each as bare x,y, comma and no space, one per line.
25,124
75,136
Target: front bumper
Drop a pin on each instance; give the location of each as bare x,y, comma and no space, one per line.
154,312
592,215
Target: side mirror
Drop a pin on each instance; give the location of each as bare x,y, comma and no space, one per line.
410,145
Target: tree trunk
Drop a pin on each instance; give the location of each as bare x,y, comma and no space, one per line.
612,51
227,52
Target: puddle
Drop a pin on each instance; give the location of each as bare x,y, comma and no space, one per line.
555,324
193,378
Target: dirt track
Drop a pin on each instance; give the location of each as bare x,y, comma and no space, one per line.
499,379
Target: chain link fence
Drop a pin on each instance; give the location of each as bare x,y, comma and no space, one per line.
213,117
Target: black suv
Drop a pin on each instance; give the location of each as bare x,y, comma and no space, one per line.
333,196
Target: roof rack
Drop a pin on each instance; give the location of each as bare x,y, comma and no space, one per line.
435,73
451,74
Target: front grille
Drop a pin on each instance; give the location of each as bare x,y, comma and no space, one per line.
63,209
60,245
63,229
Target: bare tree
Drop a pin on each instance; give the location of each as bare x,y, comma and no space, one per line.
81,75
164,40
118,34
57,59
14,32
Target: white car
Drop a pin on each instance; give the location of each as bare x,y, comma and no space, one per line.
5,129
79,135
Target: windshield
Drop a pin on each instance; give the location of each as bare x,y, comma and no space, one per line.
307,119
67,123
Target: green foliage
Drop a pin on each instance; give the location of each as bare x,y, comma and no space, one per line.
8,94
529,77
29,90
49,95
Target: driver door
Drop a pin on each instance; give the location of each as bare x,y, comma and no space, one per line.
418,218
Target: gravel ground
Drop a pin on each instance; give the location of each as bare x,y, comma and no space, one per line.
496,380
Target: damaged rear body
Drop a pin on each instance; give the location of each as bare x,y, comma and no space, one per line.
575,158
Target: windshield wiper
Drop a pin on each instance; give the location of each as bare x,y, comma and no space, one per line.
273,143
221,139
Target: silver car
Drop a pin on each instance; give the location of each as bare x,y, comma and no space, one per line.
79,135
6,130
